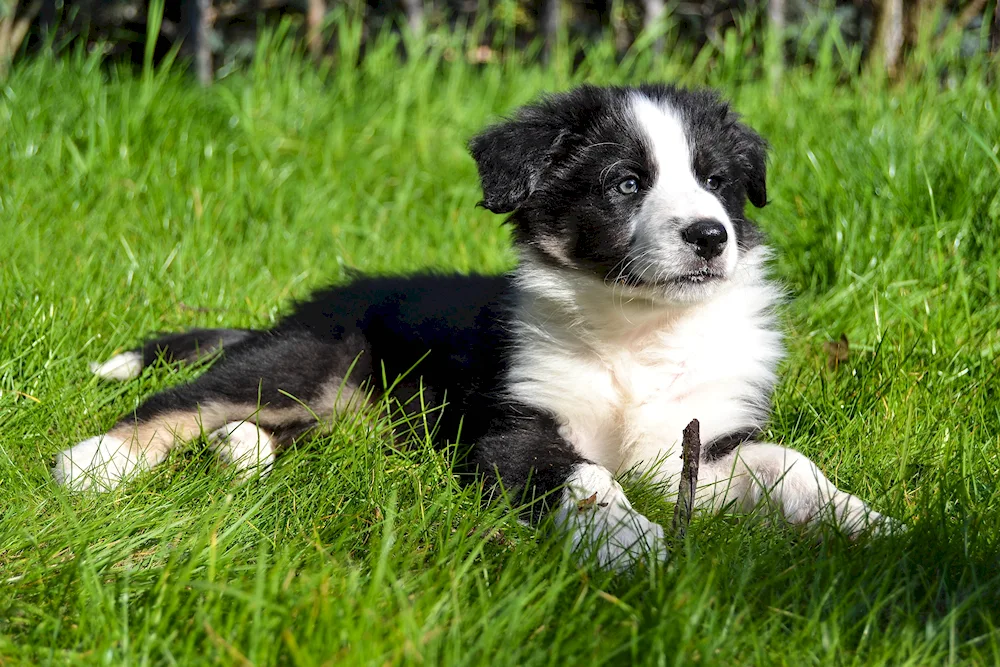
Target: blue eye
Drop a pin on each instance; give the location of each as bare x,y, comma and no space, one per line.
629,186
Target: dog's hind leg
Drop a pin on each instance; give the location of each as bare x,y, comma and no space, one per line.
142,441
187,346
259,396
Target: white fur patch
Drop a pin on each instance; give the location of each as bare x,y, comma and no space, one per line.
98,463
245,446
124,366
625,376
676,199
602,523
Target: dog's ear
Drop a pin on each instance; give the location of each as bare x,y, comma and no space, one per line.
752,149
513,157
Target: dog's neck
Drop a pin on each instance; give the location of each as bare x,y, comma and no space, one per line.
560,302
582,305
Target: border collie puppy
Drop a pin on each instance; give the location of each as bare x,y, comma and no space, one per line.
639,303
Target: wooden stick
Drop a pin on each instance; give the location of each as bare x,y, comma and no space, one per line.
691,455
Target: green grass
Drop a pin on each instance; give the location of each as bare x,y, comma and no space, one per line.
137,202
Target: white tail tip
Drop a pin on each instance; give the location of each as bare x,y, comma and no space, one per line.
124,366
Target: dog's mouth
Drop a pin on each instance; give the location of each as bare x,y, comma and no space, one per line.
699,277
696,278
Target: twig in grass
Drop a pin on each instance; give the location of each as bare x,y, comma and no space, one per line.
837,352
690,454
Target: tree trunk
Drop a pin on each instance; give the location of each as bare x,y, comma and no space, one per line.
776,16
995,30
551,23
918,14
652,19
13,30
202,44
314,23
47,16
971,11
414,10
195,24
888,45
619,27
776,39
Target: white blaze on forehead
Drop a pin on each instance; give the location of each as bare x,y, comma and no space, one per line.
664,130
676,198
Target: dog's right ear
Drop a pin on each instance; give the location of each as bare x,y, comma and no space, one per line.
513,158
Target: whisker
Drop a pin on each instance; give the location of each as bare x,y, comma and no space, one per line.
606,170
603,143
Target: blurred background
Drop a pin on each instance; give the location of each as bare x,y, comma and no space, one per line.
216,36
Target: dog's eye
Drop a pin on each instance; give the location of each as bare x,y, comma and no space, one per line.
713,183
629,186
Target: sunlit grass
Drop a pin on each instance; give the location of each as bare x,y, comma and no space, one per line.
130,205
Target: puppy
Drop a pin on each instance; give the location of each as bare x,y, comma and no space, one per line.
640,302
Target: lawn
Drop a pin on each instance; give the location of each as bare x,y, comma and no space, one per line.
132,202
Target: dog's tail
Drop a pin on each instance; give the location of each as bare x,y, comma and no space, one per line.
187,346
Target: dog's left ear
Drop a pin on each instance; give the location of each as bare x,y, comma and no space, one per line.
513,157
752,148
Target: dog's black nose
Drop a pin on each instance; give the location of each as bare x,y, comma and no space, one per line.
707,236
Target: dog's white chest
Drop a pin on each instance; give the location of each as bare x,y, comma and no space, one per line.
623,398
611,401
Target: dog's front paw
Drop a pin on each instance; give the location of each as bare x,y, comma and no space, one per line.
854,518
99,463
602,524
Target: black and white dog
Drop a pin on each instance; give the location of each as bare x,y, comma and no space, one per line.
640,302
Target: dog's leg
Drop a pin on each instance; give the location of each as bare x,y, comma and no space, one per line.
788,483
188,346
247,447
251,402
524,454
141,442
601,521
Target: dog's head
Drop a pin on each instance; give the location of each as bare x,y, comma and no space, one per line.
643,187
